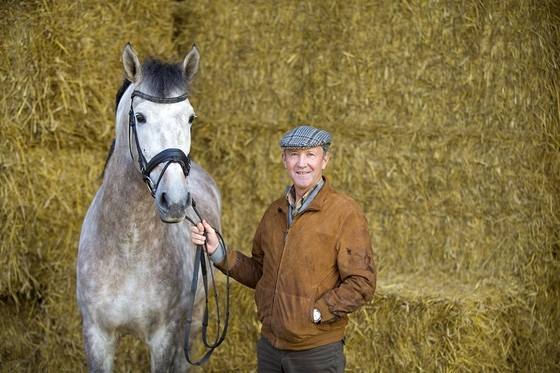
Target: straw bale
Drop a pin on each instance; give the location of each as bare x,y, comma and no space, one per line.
60,69
425,322
363,84
439,130
416,322
445,121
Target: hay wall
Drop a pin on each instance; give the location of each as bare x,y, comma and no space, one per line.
444,116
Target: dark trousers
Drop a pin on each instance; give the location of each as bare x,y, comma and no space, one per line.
324,359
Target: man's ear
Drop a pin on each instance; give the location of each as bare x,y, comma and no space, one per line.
326,158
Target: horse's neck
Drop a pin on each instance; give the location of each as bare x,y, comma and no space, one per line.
125,191
129,218
123,181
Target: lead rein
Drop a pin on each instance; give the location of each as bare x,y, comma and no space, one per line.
202,257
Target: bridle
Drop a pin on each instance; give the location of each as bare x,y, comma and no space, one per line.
171,155
174,155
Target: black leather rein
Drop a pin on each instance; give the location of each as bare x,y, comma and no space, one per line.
202,258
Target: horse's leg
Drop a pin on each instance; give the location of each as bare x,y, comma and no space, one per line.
162,349
181,364
100,348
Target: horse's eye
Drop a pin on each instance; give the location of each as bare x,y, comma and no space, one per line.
191,118
140,118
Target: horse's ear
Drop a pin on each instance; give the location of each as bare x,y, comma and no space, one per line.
131,65
190,64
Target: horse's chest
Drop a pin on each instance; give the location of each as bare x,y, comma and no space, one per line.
141,298
135,296
150,280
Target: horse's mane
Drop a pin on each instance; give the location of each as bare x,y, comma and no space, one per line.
160,79
120,92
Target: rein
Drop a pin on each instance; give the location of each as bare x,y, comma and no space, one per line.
171,155
168,156
202,258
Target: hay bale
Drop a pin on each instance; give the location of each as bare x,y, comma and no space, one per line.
431,323
423,321
416,117
60,71
61,68
444,122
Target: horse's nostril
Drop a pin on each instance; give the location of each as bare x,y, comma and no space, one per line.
163,201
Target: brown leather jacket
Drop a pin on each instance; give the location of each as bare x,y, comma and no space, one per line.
324,261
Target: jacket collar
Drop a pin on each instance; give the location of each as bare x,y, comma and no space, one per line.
318,200
295,208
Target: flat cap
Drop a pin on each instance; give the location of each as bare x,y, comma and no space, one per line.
305,137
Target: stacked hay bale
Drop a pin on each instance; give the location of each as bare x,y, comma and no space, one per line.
444,121
444,117
60,69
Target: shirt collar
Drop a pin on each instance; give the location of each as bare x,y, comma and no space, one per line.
296,207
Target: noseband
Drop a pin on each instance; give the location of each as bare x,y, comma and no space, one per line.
168,156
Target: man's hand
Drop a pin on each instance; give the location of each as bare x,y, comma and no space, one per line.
199,239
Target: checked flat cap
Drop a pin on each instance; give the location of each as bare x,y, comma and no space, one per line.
305,137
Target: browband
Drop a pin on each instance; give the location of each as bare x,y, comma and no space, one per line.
159,100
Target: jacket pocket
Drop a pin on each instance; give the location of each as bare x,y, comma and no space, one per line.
293,318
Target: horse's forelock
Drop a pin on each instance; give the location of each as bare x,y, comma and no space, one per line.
163,79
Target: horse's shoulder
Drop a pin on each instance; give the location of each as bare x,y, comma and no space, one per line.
199,172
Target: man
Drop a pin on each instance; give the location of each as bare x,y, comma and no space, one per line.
311,264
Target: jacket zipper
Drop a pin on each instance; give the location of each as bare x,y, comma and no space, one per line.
276,285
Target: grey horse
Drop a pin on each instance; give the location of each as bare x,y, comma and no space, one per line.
135,260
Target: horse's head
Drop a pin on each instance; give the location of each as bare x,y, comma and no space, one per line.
160,120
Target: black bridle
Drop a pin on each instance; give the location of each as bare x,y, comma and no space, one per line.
174,155
171,155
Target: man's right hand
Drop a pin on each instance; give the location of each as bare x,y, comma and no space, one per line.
198,238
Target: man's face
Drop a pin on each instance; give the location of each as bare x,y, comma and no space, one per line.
305,167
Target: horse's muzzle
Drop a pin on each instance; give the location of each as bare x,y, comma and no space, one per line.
172,212
171,193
